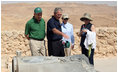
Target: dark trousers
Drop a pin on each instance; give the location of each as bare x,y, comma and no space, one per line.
55,48
91,58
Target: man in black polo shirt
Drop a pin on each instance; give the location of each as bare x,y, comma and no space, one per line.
54,35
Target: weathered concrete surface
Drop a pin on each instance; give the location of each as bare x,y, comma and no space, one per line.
75,63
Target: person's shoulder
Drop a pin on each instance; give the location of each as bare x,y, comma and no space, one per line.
82,25
62,24
91,24
42,19
70,24
30,21
51,20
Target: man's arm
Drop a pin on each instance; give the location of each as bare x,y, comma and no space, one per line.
52,28
60,33
72,38
27,36
80,33
27,31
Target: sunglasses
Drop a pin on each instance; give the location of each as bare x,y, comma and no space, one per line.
85,19
66,19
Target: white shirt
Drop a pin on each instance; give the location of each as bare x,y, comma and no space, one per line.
68,30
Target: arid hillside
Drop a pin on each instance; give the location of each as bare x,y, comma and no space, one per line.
15,16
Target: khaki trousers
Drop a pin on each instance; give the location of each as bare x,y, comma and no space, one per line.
67,51
37,47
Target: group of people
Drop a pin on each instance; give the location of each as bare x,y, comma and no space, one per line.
60,35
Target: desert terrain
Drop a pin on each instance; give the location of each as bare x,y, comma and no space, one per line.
14,17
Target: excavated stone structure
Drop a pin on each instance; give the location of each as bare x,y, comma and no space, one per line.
75,63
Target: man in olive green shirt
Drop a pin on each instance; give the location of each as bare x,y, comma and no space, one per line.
35,33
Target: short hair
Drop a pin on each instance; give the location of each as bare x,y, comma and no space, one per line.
57,9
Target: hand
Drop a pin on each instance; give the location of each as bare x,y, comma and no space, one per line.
65,36
27,36
72,46
63,43
78,34
84,30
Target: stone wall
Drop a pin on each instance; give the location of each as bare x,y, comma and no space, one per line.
106,42
11,41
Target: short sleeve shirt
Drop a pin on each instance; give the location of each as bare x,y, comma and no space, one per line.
35,29
53,23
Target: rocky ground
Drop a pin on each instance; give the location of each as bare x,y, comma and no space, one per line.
12,41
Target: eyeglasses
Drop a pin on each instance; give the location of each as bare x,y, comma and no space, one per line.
59,15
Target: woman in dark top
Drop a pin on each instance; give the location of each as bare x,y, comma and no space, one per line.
87,25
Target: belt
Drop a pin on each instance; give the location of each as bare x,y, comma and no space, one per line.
37,39
56,40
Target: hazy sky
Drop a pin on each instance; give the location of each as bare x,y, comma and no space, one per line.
111,3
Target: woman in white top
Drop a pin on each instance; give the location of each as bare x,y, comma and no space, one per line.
67,29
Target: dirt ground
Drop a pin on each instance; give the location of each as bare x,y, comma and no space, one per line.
106,64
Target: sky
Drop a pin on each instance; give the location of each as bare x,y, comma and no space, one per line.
110,3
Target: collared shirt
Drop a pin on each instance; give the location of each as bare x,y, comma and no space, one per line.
53,23
68,30
35,29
